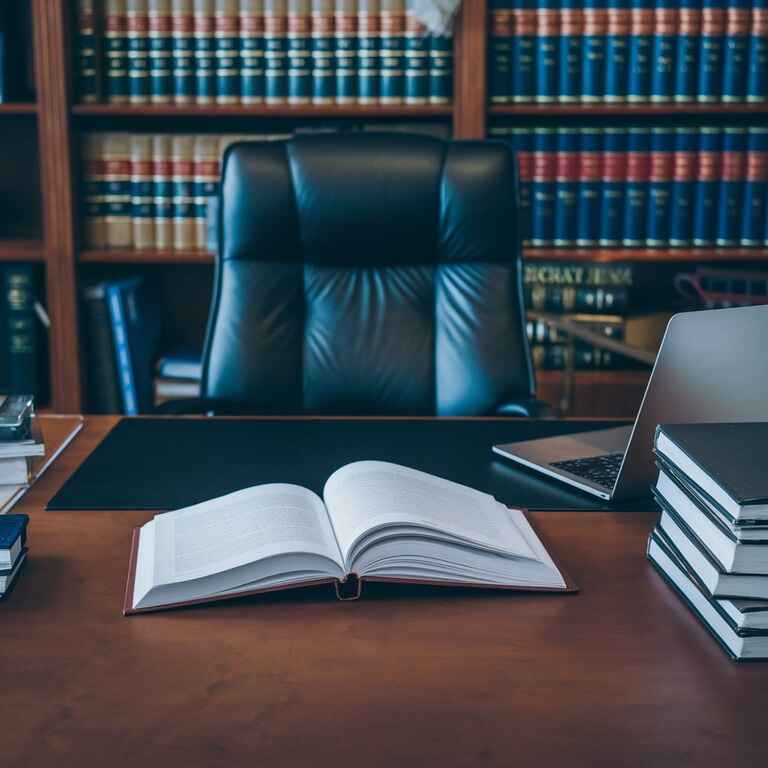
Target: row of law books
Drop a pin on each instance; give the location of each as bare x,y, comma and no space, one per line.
260,52
653,187
621,51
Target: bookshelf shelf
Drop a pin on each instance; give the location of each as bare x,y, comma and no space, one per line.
127,256
18,108
661,109
21,250
647,254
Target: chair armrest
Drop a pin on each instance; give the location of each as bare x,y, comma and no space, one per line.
201,406
530,408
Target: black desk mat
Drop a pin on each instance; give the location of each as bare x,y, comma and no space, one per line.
161,464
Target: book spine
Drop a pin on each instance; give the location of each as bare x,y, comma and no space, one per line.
499,50
299,54
117,190
523,143
102,386
345,42
706,187
639,53
731,192
87,75
613,172
137,25
94,200
116,51
227,42
160,52
571,32
754,223
142,192
660,187
547,50
275,51
593,52
368,51
205,54
523,52
663,49
543,186
22,333
162,178
323,44
683,183
183,174
757,54
566,184
183,58
561,299
582,273
588,221
687,52
737,23
417,46
206,182
616,52
711,51
440,69
122,353
391,34
636,193
251,27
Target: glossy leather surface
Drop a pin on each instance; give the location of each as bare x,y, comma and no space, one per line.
369,274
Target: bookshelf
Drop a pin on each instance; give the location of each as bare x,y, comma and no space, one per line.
52,234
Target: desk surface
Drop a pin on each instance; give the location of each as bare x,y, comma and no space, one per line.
620,674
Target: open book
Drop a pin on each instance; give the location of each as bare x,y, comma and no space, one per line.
376,521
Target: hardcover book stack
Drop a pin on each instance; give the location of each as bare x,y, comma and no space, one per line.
617,51
711,542
657,187
260,52
13,549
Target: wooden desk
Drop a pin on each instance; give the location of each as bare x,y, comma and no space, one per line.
618,675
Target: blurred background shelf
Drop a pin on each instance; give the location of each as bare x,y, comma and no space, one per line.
21,250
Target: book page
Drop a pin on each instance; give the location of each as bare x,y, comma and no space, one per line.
369,494
241,528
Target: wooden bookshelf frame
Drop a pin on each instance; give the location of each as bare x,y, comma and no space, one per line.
59,123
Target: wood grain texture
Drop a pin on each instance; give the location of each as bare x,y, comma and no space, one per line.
21,249
618,675
471,63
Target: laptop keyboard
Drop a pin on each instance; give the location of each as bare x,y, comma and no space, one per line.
601,470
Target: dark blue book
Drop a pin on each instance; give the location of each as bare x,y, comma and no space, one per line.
391,50
754,227
569,79
663,49
547,50
183,51
345,33
205,51
323,45
160,52
687,53
593,51
298,57
636,193
440,69
566,186
417,58
613,172
367,51
138,51
523,143
87,45
523,51
711,51
757,53
116,51
589,198
275,51
683,182
251,46
13,531
617,51
735,43
660,186
500,51
731,191
543,186
705,193
639,52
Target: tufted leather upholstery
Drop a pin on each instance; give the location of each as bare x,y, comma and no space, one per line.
368,274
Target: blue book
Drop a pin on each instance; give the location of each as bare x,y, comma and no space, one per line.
636,192
547,50
500,51
687,53
589,198
205,51
138,51
660,186
183,51
523,143
298,56
251,46
639,50
440,69
323,48
731,191
160,51
543,186
757,54
711,51
705,193
367,51
569,78
617,51
663,49
613,173
593,51
345,34
523,51
683,182
754,227
391,52
417,58
115,43
566,186
735,43
125,373
13,535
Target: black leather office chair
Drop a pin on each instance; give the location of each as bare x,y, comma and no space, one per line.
368,274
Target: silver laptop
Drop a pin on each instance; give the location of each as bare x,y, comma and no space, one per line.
712,367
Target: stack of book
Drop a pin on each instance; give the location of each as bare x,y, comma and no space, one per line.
619,51
711,542
260,52
656,187
177,376
13,549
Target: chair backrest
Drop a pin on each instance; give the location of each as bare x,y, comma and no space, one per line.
368,274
